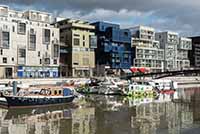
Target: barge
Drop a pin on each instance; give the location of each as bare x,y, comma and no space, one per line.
38,96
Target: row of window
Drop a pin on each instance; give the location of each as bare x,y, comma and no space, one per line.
32,39
86,61
32,44
46,60
22,54
77,49
5,59
93,41
27,22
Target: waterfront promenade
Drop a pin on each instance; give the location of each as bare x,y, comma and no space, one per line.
189,81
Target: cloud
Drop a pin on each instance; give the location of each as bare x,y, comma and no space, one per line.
174,15
124,17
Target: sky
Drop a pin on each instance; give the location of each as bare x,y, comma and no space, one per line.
182,16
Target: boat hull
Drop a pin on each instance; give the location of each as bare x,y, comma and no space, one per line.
20,101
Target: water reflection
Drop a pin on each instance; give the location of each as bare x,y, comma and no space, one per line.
168,114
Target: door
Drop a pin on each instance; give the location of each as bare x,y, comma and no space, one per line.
8,72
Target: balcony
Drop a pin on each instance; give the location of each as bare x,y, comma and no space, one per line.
185,46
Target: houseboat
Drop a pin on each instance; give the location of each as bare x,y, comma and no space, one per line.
164,84
140,90
39,96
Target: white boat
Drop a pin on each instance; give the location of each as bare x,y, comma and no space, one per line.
138,90
164,84
112,86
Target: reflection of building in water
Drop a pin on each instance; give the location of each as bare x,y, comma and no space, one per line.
144,100
191,97
161,116
3,124
55,122
64,121
195,102
83,121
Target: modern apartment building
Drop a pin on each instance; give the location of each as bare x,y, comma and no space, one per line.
194,54
184,46
114,48
77,48
29,45
147,52
169,42
176,50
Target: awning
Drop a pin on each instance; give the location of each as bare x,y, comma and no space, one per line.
127,71
139,69
134,69
143,70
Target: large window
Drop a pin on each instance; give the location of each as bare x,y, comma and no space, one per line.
76,42
56,51
32,44
93,41
46,36
22,53
22,56
21,29
5,39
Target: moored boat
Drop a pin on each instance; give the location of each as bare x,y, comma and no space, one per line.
40,97
111,86
140,90
164,84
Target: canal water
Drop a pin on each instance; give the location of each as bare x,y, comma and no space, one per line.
177,113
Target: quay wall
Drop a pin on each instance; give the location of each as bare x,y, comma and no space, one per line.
182,81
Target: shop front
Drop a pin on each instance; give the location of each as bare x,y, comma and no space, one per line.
37,72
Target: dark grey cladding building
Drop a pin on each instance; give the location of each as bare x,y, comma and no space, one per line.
194,54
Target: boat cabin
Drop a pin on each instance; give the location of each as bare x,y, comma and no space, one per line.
52,91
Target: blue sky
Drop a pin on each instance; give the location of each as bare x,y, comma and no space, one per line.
181,16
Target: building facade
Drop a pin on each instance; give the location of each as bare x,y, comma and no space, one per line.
169,42
184,46
147,52
29,45
77,48
176,50
194,54
113,48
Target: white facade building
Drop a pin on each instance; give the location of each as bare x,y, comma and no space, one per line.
169,42
175,50
29,45
147,50
185,44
